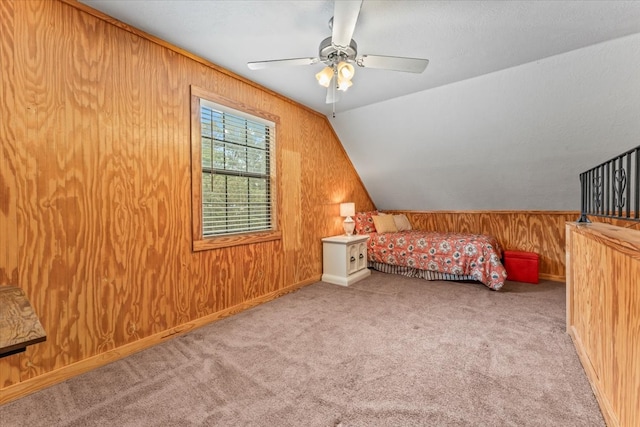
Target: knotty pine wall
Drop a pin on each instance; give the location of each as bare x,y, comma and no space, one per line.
95,191
542,232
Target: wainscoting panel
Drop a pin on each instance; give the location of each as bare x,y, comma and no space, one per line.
542,232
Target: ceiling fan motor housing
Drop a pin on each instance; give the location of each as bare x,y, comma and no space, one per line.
330,54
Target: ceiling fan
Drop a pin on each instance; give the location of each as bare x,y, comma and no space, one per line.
339,52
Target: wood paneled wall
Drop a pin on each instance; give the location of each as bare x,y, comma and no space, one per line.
542,232
95,191
603,314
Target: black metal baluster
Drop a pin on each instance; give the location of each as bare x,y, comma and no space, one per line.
619,185
594,191
583,198
637,184
593,205
587,193
605,190
628,203
601,189
584,194
617,164
612,212
613,188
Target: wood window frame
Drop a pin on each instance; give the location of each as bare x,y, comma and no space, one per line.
201,243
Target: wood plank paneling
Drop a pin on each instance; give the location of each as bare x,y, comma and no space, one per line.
95,208
10,370
604,315
8,185
542,232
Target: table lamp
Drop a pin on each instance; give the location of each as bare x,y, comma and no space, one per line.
348,209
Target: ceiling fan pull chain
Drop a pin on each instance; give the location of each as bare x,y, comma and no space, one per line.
333,88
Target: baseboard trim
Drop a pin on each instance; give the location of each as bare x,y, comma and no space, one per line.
48,379
552,277
605,407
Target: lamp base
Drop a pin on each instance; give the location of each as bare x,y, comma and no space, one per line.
349,225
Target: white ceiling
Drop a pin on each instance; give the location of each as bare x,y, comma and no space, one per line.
461,39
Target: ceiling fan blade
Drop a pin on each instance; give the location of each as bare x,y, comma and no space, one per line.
396,63
259,65
345,17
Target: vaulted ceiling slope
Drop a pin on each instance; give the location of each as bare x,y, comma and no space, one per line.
514,139
519,96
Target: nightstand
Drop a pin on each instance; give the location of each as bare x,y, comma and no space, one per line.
344,259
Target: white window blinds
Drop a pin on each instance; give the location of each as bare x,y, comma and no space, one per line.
236,171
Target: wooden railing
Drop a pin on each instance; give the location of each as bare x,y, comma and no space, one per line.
603,314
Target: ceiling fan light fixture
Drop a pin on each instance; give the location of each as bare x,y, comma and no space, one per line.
346,70
324,77
344,84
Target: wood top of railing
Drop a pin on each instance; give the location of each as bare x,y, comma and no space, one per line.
622,239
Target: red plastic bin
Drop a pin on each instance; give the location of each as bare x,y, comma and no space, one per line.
521,266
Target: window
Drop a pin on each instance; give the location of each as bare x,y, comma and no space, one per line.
233,168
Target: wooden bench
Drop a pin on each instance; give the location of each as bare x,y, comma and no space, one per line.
19,324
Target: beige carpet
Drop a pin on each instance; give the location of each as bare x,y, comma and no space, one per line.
388,351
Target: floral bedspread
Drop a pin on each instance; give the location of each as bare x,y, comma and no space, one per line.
475,255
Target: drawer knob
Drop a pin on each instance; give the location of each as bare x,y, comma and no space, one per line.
361,256
353,259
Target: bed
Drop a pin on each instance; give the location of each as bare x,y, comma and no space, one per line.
393,247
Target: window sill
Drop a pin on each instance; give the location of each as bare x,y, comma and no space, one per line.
235,240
